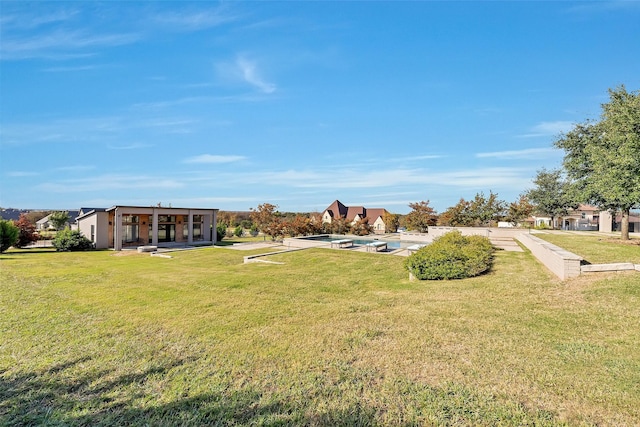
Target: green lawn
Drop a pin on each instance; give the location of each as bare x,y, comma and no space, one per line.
327,338
596,248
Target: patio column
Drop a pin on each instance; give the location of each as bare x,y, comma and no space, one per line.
154,228
212,229
117,230
190,228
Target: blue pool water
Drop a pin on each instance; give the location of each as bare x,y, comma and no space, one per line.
391,244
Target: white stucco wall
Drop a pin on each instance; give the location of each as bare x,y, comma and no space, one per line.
100,222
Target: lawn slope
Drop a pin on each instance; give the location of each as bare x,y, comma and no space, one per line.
326,338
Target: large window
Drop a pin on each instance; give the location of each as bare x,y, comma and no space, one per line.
130,228
166,228
197,227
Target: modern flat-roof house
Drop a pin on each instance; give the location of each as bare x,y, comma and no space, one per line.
354,214
121,227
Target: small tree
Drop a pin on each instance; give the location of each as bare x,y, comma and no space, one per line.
59,219
268,220
221,231
27,231
8,234
552,195
519,210
362,227
457,215
483,211
298,225
391,221
421,216
340,225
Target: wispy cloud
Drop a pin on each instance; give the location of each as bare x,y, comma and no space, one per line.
21,174
60,42
195,19
134,146
599,7
31,21
527,153
75,168
71,68
111,182
108,130
498,177
417,158
250,73
548,129
211,158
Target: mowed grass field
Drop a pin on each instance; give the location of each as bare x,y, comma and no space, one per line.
327,337
596,248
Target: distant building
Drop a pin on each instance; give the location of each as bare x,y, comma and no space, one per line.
589,218
44,224
355,213
11,214
584,217
609,223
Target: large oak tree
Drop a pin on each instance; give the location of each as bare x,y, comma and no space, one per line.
603,158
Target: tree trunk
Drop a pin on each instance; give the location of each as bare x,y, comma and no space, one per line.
624,226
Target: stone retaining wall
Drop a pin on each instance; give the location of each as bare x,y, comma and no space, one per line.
561,262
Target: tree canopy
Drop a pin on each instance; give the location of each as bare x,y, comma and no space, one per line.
552,194
481,211
59,219
421,216
9,234
602,158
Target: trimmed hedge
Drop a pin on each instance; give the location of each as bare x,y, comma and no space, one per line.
451,256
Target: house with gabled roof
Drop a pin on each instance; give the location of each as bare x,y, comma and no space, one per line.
353,214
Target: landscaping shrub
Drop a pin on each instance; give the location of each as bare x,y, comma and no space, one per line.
71,240
238,231
8,234
451,256
221,232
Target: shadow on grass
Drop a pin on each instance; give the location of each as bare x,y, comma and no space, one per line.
61,396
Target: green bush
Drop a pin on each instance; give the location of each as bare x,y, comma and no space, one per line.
9,234
451,256
71,240
221,232
238,231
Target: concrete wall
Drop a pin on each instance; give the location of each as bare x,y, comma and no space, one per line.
562,263
292,242
490,232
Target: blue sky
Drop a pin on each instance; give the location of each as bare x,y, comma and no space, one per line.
229,105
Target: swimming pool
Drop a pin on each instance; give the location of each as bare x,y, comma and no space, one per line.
359,241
